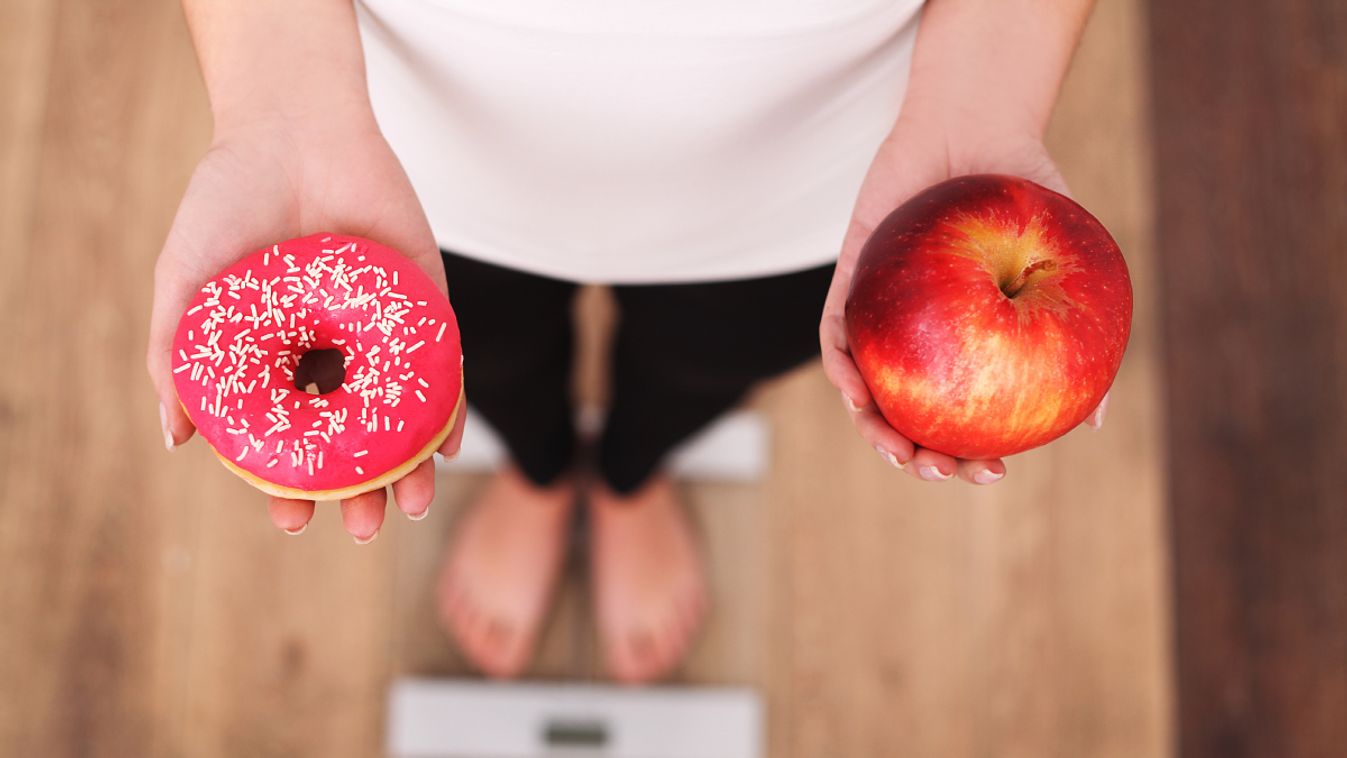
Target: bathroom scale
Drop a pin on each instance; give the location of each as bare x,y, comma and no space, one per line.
734,448
451,718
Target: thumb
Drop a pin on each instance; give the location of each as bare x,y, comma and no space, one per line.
216,222
171,296
401,222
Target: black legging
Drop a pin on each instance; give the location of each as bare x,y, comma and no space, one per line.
683,354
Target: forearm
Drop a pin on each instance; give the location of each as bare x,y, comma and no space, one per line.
279,58
983,66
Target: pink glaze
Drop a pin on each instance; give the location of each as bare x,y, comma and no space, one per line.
237,346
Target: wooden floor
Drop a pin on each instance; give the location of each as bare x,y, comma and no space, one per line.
148,609
1252,203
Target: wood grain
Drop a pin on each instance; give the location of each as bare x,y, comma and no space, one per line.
1251,156
150,610
95,593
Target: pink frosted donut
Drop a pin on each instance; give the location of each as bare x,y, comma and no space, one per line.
389,338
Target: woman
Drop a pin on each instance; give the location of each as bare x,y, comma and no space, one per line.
708,158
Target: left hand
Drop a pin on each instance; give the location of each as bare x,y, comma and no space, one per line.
916,155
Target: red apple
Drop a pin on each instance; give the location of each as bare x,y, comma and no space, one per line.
988,315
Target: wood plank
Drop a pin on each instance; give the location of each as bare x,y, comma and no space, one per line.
98,577
1250,118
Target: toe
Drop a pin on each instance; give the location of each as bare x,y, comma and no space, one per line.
621,661
462,619
670,642
691,611
448,599
639,659
504,650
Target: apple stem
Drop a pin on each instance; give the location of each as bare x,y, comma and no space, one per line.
1016,284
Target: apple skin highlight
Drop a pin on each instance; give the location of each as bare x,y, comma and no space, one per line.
988,315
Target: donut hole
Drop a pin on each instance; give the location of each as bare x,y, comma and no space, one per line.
320,371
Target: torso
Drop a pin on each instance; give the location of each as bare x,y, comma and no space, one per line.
638,141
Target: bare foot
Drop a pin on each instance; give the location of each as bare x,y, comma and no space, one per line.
501,568
649,583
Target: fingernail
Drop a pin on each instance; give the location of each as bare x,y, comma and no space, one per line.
366,540
933,474
987,476
297,532
849,403
163,424
1097,418
419,516
890,457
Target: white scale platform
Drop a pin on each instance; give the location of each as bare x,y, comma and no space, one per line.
431,718
733,449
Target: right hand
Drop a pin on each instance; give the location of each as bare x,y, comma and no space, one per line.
271,179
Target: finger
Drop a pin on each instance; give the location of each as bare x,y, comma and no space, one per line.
1096,419
363,514
212,217
892,446
290,516
841,370
400,225
413,492
170,300
982,472
838,365
450,447
930,466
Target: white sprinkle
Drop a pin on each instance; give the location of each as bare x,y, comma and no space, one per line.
413,348
420,395
361,454
441,332
360,471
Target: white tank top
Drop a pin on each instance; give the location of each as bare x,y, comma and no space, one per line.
630,141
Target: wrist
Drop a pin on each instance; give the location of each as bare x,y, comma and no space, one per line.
963,145
296,116
972,118
296,64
